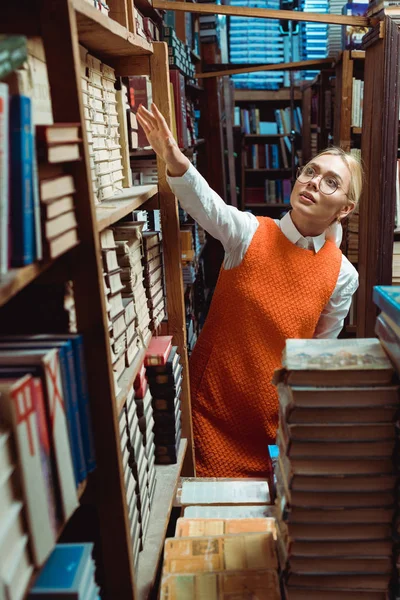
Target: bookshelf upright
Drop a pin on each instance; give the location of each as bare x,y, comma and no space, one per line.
64,24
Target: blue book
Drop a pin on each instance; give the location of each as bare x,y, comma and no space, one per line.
66,358
22,219
387,298
68,573
275,156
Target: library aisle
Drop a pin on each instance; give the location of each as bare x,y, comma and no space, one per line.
213,233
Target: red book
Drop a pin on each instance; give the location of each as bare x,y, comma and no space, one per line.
140,383
158,350
178,82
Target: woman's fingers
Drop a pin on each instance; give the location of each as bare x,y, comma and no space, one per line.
146,114
160,119
146,126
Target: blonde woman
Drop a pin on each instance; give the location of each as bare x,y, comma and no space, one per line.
280,279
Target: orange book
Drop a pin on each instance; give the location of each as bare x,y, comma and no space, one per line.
205,527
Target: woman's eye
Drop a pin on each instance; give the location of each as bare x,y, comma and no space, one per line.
332,183
309,171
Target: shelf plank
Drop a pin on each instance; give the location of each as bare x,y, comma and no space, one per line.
167,480
16,280
265,135
131,199
104,36
266,95
126,380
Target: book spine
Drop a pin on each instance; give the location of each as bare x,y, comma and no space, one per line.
83,401
385,304
22,218
4,188
36,200
72,433
75,414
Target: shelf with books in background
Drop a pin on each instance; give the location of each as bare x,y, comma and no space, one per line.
84,187
347,133
269,151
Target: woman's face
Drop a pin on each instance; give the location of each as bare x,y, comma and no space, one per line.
309,201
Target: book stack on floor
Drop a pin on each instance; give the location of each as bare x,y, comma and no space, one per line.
69,572
102,126
144,411
218,557
335,474
128,459
129,242
164,374
154,276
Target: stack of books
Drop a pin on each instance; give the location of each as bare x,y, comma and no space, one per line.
253,40
68,573
313,36
56,144
138,491
335,473
387,328
353,235
113,288
164,374
218,555
102,126
16,567
128,238
154,276
139,93
144,170
178,52
99,5
144,407
396,263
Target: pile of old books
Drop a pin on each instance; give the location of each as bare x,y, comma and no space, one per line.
154,276
229,556
164,375
335,476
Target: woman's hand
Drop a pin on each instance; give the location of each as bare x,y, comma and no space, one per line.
162,141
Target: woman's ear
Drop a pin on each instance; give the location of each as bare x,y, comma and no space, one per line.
347,210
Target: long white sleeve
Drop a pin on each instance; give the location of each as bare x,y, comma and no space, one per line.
232,227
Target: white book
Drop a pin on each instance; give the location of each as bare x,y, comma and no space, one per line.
16,572
229,512
224,491
19,411
4,191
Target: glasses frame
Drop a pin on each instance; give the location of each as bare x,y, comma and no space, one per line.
299,172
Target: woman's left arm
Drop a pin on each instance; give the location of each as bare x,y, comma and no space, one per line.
331,321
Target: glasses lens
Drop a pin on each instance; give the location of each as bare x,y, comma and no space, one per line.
328,185
305,174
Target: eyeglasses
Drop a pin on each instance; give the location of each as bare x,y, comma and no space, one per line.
327,185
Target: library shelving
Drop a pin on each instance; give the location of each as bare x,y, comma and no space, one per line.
64,25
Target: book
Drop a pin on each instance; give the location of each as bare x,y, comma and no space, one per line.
299,593
22,219
58,133
67,573
337,397
24,413
16,571
255,584
186,527
4,176
224,491
219,553
58,153
158,350
56,187
353,362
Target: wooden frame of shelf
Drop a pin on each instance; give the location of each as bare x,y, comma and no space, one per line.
66,24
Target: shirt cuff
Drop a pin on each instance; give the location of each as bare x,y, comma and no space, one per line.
187,179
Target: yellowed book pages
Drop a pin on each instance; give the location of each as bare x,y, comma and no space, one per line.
206,527
236,585
219,553
224,491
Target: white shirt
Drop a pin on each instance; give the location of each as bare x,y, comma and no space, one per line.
235,230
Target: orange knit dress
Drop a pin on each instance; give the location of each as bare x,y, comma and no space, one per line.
277,292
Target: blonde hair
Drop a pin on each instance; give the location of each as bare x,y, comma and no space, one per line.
354,165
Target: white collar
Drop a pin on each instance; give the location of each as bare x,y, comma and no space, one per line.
290,231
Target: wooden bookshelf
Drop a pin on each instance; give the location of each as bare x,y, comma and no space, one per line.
149,558
131,199
266,95
66,24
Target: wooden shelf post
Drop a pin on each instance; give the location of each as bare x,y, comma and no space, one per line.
159,70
